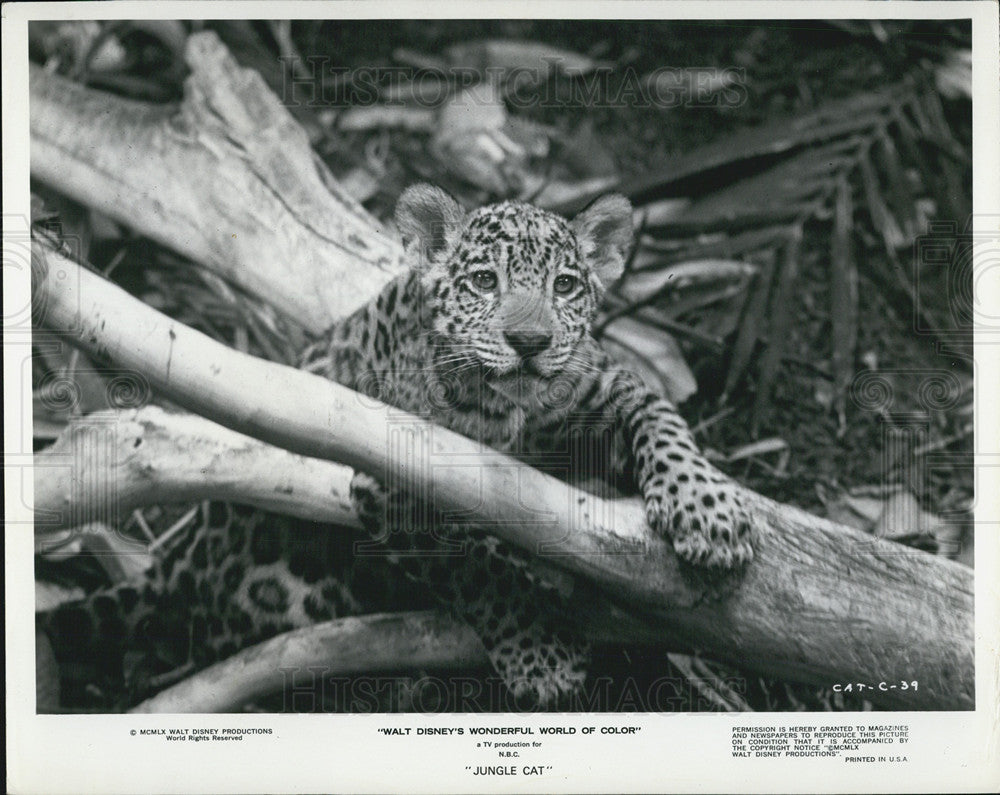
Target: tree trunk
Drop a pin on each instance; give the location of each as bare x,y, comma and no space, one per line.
369,645
146,456
226,178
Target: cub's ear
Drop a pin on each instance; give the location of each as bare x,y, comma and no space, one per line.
429,221
604,230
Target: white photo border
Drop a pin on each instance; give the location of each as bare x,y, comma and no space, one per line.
950,751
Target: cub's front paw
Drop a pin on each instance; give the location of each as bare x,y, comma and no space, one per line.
708,525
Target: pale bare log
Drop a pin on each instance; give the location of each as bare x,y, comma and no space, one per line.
116,461
821,602
227,177
369,645
108,463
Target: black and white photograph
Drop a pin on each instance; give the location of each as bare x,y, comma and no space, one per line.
549,376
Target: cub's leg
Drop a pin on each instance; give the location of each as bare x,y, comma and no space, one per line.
688,501
493,587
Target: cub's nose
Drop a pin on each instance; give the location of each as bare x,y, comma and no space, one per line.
528,343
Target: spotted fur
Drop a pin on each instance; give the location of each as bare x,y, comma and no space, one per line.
234,577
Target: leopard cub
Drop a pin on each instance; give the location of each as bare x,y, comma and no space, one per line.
495,314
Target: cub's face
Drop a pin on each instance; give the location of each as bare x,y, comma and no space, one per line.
513,289
517,293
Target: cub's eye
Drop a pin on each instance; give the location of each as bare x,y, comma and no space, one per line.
564,284
484,280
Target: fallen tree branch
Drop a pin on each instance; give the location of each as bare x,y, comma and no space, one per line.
368,645
821,603
108,463
116,461
226,178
